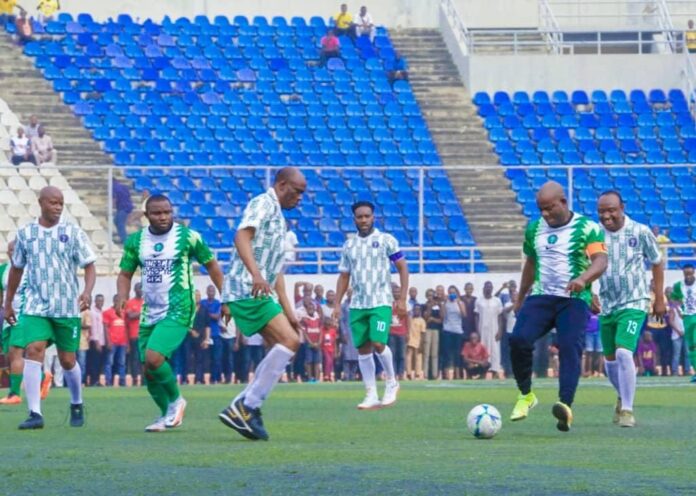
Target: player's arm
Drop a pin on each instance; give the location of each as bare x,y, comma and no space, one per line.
526,281
215,273
123,287
402,267
598,265
242,241
90,280
341,288
288,309
13,280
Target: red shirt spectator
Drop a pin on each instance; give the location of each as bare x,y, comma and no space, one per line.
116,327
134,305
328,340
475,352
330,43
398,324
312,329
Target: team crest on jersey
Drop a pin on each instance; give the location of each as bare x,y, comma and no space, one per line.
63,238
552,239
375,244
159,247
632,242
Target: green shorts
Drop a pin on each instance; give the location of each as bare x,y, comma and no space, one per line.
253,314
164,337
5,338
690,332
64,332
370,324
621,329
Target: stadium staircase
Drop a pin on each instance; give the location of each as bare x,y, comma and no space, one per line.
27,92
485,195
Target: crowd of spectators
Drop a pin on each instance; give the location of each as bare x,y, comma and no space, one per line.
32,144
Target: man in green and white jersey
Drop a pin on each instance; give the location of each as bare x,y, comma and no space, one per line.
625,296
685,292
164,251
48,253
565,253
366,266
13,354
255,293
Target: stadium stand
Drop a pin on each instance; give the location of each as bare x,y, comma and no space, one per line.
602,129
249,93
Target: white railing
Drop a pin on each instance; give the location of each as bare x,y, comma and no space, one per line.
665,22
689,73
549,26
456,22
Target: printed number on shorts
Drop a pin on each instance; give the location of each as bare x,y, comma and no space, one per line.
632,327
381,326
74,332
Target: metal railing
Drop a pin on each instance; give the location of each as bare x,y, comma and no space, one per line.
549,26
456,22
689,73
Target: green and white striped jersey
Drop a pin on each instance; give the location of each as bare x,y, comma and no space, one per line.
687,296
50,258
562,253
265,215
167,274
625,283
369,262
18,301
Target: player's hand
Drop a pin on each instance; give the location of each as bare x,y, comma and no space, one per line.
204,344
518,304
659,310
401,307
596,306
120,303
10,316
576,285
260,287
85,299
499,335
294,323
336,314
226,315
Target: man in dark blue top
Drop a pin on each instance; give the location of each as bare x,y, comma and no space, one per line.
213,307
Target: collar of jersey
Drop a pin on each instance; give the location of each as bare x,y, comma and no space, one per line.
627,220
570,221
271,192
174,224
374,231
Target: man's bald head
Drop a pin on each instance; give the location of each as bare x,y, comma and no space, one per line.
289,187
50,192
51,203
553,205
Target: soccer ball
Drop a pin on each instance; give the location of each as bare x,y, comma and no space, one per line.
484,421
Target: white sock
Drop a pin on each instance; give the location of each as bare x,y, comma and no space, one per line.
32,384
257,372
387,360
627,378
612,370
73,378
367,370
267,376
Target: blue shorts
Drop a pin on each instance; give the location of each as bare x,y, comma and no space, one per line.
541,313
593,343
312,355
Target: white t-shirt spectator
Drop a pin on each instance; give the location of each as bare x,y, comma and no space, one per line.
289,245
255,340
363,20
19,145
489,310
228,331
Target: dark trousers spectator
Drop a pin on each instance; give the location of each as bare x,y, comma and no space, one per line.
133,360
325,56
663,340
398,348
473,370
254,355
120,219
227,359
540,360
350,370
81,356
94,363
216,360
505,354
201,361
239,365
451,343
116,363
350,32
18,159
180,359
298,368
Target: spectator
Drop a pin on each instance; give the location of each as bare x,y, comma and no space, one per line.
117,345
200,338
228,334
509,318
398,331
52,367
469,320
42,148
85,327
214,308
25,30
431,341
95,355
7,10
593,344
312,329
330,47
364,24
133,309
253,354
489,308
662,239
414,350
302,290
329,303
137,217
397,69
504,292
647,355
21,149
328,348
676,323
690,37
344,22
349,353
291,243
32,129
454,312
412,299
319,299
123,206
661,335
475,357
46,10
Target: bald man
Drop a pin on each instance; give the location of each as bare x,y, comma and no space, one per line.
50,251
255,293
565,253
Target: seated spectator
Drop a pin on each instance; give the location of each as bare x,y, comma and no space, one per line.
46,10
7,10
42,148
25,30
475,357
344,23
647,355
397,69
364,24
32,130
330,47
21,151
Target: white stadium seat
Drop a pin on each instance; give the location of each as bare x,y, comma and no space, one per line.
37,183
26,197
16,211
27,169
8,170
80,210
17,183
59,182
34,209
7,224
8,198
90,224
70,197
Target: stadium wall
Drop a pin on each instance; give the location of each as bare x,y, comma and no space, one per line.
391,13
499,14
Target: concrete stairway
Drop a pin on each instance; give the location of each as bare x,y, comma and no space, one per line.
485,195
27,92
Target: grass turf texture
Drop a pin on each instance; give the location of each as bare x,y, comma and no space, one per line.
321,444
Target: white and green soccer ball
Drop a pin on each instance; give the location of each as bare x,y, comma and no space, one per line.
484,421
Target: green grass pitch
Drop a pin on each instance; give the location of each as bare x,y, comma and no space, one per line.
320,444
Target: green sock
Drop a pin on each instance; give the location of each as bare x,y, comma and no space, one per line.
692,359
164,375
16,384
157,393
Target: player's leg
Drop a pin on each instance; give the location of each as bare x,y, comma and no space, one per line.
629,324
380,320
15,358
154,388
571,322
360,327
607,334
32,333
67,338
166,337
690,340
535,319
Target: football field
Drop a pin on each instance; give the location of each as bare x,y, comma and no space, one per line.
320,444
